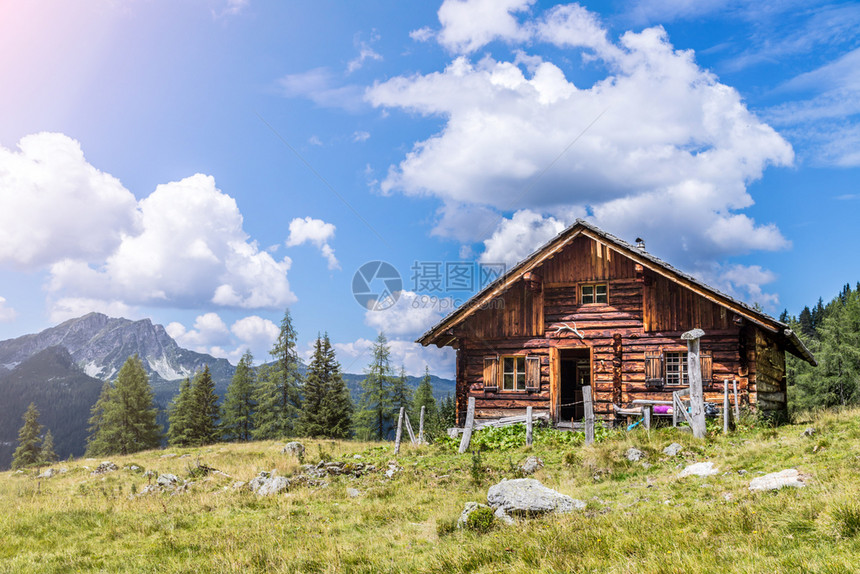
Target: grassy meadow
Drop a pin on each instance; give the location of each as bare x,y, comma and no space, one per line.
638,519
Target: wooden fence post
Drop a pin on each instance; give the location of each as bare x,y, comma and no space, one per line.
421,426
399,434
726,409
737,405
409,427
589,414
694,374
470,424
528,426
646,416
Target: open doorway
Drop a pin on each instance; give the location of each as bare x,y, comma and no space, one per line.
575,374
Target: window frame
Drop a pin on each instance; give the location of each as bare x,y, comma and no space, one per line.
671,378
660,362
594,295
516,373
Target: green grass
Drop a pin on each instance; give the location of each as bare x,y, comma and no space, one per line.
637,519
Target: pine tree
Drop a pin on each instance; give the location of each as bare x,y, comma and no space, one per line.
48,456
424,398
806,324
326,405
29,451
237,420
401,394
375,416
204,414
448,412
124,418
179,416
277,393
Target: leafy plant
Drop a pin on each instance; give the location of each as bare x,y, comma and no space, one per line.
481,520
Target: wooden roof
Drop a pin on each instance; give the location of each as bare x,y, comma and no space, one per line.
441,335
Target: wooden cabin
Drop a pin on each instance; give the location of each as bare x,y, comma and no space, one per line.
588,308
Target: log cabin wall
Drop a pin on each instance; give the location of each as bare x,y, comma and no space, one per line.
645,313
770,377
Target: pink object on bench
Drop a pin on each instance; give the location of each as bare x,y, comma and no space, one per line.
662,409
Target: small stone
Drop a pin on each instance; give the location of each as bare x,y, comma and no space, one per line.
294,448
105,467
699,469
148,474
357,456
531,465
167,480
647,465
634,454
728,497
742,472
48,473
353,492
271,486
808,432
134,468
168,455
185,456
673,449
238,484
776,480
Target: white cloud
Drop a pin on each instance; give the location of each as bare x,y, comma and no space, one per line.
73,307
356,355
56,205
467,25
656,147
411,315
516,238
422,34
191,250
365,53
231,8
211,335
360,137
745,282
314,140
323,88
256,332
317,232
7,314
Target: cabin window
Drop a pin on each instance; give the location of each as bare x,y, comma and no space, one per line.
593,293
676,368
670,368
514,374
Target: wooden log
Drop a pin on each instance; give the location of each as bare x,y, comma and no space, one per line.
589,414
421,426
737,405
528,426
409,427
646,416
726,409
470,424
399,433
694,370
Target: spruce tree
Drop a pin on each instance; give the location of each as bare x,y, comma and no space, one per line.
204,413
376,413
401,394
278,387
179,416
237,418
124,418
424,398
29,451
326,405
448,412
48,456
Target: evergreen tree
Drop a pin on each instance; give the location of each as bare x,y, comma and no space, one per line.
375,416
326,405
48,456
401,394
124,418
424,398
204,414
448,412
237,419
278,387
29,451
805,320
179,416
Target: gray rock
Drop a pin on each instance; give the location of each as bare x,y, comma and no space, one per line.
294,448
673,449
527,496
776,480
148,474
238,484
48,473
808,432
503,516
699,469
271,486
357,456
105,467
468,509
531,465
168,455
167,480
646,465
634,454
353,493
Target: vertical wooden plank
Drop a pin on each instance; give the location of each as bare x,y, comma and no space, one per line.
726,409
554,382
528,426
399,434
694,370
589,414
421,426
646,416
412,438
470,425
737,405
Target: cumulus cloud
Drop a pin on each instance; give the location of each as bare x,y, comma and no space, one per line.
655,146
316,232
256,332
56,205
7,314
365,53
211,335
191,250
71,307
354,356
411,315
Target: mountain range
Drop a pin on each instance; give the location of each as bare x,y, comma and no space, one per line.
62,370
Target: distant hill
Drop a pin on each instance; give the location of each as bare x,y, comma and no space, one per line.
62,370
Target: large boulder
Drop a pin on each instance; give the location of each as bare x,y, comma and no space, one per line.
295,449
699,469
776,480
167,480
673,449
528,497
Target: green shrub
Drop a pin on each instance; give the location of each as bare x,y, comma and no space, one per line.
481,520
446,526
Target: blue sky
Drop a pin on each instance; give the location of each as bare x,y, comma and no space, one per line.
209,163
